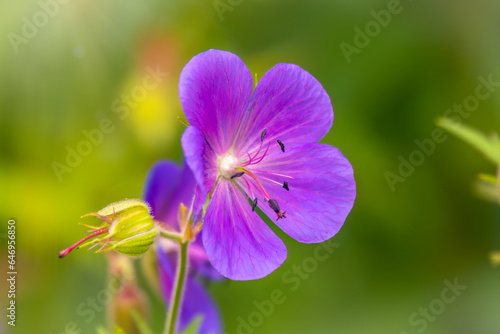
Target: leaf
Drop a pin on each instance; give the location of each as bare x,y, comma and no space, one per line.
143,326
194,326
489,146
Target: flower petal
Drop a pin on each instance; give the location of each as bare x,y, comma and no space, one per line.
199,264
321,195
197,301
214,89
291,105
238,243
168,185
200,157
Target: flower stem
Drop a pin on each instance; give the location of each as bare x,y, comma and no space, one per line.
172,236
176,302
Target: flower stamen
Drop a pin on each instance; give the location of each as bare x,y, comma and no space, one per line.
258,182
250,191
237,175
230,168
276,208
274,205
281,145
254,204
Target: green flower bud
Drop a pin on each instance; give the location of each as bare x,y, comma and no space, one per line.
127,228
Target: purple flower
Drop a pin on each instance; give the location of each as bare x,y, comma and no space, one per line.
168,186
260,150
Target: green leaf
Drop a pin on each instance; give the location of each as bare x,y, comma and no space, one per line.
143,326
194,326
489,146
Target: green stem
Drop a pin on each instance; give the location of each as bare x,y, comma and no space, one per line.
176,303
171,236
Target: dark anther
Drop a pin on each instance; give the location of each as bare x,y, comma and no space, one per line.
262,135
281,145
274,205
254,204
237,175
285,185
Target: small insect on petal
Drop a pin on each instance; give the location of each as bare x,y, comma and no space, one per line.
281,145
285,185
262,135
237,175
254,204
274,205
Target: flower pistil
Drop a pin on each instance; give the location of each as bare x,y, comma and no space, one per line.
233,170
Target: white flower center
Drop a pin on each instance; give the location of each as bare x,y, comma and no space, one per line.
227,164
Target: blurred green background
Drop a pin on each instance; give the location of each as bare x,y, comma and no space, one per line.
398,245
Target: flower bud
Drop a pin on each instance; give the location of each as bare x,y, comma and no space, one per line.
129,299
129,303
127,228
